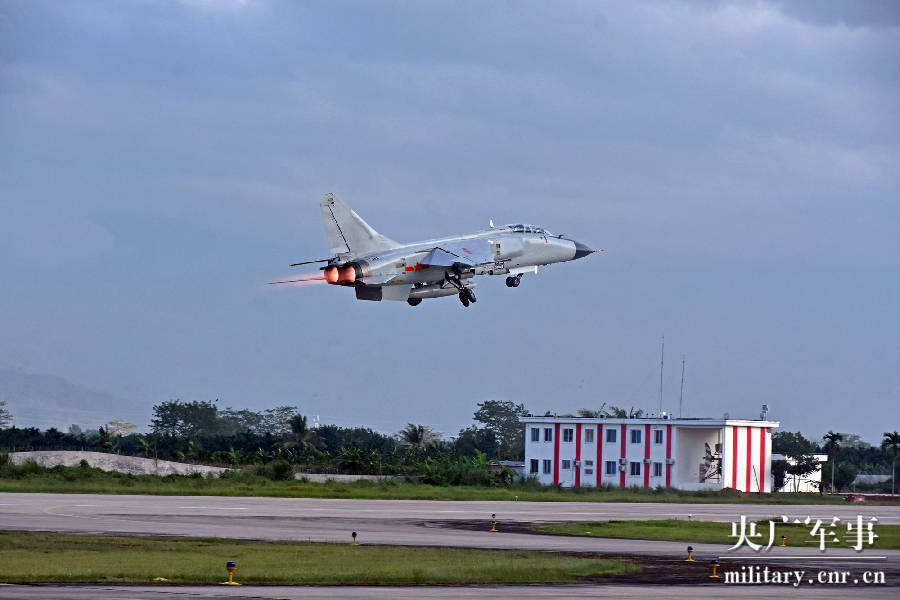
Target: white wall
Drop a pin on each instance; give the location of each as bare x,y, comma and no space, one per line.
758,467
539,451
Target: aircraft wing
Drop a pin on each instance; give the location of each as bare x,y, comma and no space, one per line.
466,252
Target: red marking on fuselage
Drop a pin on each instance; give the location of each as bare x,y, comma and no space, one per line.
417,267
467,251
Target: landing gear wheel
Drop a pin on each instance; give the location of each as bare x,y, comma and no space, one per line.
464,298
414,301
517,280
471,294
510,281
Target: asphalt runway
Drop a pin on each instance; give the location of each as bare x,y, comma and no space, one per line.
431,523
406,522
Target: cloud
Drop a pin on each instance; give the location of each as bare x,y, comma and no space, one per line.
735,159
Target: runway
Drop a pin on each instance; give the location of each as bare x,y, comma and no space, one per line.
429,523
407,522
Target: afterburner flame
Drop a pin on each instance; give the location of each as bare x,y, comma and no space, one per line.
331,274
348,274
302,281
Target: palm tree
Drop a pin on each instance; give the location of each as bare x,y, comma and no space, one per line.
892,440
417,437
301,437
600,413
145,447
832,442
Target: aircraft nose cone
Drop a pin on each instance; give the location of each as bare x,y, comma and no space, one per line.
581,250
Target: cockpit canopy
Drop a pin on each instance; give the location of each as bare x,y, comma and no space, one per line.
520,228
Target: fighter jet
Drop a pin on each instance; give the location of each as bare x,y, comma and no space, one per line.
378,268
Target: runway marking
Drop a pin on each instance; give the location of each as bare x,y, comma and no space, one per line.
841,558
214,507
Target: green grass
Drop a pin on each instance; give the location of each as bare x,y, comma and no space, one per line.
84,480
56,558
716,533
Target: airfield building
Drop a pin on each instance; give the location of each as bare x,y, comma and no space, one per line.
688,454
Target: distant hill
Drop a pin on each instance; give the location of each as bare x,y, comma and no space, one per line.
43,401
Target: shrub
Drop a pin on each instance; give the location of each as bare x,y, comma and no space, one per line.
279,470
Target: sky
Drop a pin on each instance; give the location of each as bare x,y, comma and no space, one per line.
738,162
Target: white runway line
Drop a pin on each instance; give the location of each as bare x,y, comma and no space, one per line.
213,507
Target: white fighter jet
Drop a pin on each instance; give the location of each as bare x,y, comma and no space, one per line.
379,268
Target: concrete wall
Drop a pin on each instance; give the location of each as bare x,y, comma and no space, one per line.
323,477
112,462
148,466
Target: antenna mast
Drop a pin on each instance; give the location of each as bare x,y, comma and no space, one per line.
662,354
681,394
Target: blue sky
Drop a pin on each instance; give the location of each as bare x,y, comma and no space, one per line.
738,161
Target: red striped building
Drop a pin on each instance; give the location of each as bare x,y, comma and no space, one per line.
691,454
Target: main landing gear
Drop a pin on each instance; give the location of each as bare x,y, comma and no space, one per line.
466,296
414,301
514,281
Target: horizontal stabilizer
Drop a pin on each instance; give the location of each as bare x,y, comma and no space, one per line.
311,262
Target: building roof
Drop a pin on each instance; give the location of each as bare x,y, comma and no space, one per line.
684,422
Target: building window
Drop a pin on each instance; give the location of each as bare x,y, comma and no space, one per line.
588,471
548,434
534,465
658,436
589,463
635,436
566,465
610,436
568,435
535,434
588,436
610,467
657,469
547,466
635,468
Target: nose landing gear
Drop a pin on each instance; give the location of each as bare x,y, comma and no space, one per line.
514,281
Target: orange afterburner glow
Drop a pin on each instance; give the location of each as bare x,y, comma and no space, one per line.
348,274
331,274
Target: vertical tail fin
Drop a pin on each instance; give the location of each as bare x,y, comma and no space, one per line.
347,233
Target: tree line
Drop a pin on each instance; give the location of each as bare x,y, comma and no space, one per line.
202,432
848,456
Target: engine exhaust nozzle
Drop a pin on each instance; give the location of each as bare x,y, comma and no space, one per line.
331,274
347,274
